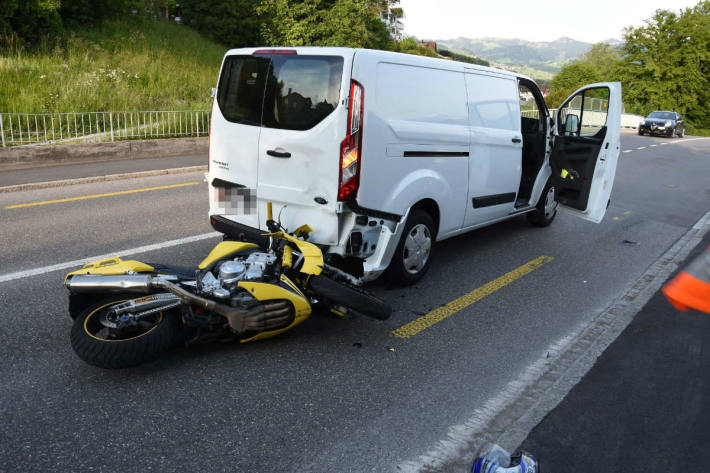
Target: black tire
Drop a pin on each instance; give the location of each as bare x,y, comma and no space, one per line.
398,272
340,294
682,133
543,216
640,132
78,303
89,343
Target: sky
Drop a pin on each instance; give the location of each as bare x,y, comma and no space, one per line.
536,20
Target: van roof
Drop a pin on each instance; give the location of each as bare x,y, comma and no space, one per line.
387,55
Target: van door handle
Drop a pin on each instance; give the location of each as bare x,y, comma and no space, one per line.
278,154
516,140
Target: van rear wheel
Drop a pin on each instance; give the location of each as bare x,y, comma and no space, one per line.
412,257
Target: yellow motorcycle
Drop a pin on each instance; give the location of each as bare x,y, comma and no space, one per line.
127,312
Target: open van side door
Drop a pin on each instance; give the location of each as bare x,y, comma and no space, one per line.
586,149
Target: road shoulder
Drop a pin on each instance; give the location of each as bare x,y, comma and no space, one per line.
644,402
510,417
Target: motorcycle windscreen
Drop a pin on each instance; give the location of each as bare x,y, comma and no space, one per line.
586,149
304,123
235,129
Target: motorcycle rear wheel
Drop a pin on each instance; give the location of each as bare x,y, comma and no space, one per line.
102,346
350,297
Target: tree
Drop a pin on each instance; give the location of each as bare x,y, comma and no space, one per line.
348,23
604,58
84,12
233,23
666,64
571,77
30,20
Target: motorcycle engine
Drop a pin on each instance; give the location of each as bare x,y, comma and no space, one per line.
253,267
256,266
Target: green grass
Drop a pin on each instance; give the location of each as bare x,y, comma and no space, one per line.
138,65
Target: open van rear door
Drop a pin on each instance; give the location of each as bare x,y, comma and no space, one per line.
586,149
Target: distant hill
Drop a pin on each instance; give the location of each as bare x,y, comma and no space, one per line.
538,59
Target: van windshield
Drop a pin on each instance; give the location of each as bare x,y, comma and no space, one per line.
288,92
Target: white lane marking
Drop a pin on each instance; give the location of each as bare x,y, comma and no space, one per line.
627,151
652,146
79,262
641,147
685,140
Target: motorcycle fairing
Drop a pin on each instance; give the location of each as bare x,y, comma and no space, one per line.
112,266
312,255
223,250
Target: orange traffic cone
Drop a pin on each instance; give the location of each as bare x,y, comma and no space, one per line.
690,289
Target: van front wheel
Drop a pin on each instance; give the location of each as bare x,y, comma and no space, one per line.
546,208
412,257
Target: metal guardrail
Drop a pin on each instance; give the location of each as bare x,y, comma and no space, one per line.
21,129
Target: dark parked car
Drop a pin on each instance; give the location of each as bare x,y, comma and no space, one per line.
663,123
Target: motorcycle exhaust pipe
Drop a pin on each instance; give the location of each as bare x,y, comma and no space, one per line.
240,320
94,283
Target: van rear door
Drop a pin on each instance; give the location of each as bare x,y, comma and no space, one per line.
304,120
234,137
277,125
586,149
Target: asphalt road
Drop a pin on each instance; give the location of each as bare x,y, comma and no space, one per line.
331,395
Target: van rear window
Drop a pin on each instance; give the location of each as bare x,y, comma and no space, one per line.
240,93
283,91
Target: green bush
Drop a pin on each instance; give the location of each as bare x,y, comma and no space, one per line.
32,21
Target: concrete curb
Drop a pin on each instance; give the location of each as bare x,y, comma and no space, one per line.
111,177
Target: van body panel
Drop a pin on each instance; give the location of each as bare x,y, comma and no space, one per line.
495,162
415,128
310,173
427,183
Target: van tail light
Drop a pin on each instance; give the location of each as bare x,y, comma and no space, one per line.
351,146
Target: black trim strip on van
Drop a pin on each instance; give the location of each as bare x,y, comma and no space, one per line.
434,154
353,205
495,199
217,182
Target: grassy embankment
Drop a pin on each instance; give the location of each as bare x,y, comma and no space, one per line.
126,65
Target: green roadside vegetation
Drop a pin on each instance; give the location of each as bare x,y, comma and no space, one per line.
662,65
133,64
110,55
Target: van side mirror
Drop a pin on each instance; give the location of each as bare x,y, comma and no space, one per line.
571,125
213,92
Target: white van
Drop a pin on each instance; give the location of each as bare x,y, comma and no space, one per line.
382,153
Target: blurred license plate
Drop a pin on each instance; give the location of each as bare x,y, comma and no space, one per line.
235,200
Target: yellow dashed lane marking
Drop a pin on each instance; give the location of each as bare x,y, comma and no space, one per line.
441,313
96,196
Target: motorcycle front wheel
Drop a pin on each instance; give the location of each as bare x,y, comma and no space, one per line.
348,296
97,343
